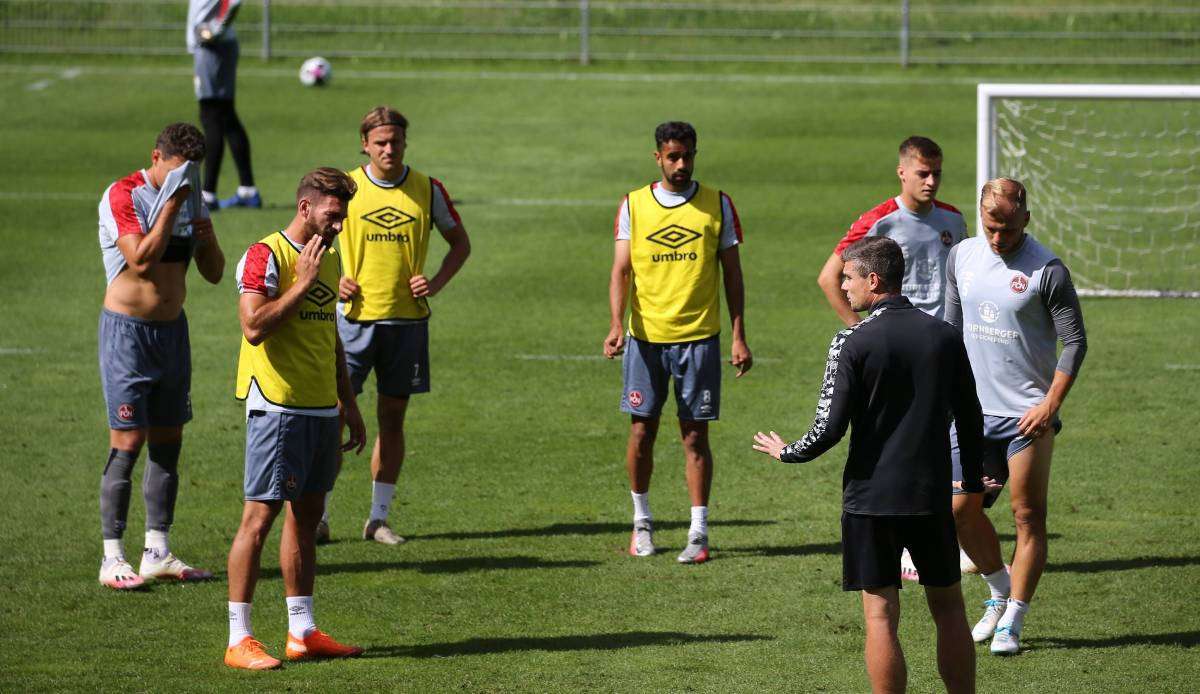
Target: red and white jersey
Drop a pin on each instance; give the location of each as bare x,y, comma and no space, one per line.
131,206
925,240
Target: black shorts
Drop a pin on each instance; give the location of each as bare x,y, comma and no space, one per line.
871,547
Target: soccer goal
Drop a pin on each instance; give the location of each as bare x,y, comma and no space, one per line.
1113,173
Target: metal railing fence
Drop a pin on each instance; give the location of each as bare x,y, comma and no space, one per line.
902,31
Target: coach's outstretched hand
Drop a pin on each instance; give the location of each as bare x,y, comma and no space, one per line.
353,421
772,444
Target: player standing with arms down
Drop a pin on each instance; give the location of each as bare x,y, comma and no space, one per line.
925,228
383,316
214,47
152,223
676,240
292,375
1014,300
895,379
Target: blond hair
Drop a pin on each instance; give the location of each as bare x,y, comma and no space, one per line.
999,190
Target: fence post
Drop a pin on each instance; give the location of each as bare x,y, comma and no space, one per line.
903,33
266,30
585,56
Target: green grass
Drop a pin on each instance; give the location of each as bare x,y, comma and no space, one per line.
514,493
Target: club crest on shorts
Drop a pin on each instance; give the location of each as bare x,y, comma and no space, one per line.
635,398
290,483
947,238
1019,283
125,412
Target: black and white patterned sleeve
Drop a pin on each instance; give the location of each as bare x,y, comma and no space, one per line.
834,405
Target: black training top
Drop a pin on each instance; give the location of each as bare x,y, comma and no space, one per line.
899,376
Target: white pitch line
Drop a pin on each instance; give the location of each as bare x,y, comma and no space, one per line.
1183,367
508,202
516,75
598,357
39,85
9,351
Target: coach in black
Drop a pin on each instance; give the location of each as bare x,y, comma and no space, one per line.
898,377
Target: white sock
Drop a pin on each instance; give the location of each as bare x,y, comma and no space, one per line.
1014,615
699,521
325,513
157,541
300,616
114,549
210,198
381,499
239,622
247,191
1000,583
641,506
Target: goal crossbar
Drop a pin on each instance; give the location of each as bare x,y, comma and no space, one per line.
987,96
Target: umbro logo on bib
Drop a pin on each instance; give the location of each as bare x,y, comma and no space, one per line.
320,294
389,217
673,236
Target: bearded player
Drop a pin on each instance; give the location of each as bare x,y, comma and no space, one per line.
676,242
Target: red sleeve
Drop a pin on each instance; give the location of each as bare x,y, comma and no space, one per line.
737,223
449,203
120,200
617,218
947,206
864,223
254,270
222,10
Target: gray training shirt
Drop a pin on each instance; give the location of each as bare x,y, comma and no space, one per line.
1012,311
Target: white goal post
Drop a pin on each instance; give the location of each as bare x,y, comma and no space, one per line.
1113,173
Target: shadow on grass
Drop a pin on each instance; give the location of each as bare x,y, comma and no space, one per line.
1104,565
1182,639
1011,537
581,642
578,529
457,565
786,550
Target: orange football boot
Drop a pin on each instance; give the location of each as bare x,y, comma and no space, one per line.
318,644
249,654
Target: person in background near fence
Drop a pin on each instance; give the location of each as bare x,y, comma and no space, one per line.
925,228
292,375
213,44
383,315
1013,300
895,379
152,223
676,242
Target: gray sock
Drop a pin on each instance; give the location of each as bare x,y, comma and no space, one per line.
160,485
115,488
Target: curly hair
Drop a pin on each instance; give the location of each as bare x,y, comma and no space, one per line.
181,140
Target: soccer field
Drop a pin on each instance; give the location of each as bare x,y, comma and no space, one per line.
514,495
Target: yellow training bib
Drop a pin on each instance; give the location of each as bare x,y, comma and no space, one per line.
384,241
294,366
674,295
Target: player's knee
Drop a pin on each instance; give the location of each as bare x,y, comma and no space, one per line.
1030,518
130,440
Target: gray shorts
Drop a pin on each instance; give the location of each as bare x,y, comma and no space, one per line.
215,70
145,371
1000,442
398,353
695,367
288,455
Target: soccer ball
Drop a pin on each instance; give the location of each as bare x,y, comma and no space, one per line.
316,72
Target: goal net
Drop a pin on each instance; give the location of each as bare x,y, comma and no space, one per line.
1113,174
